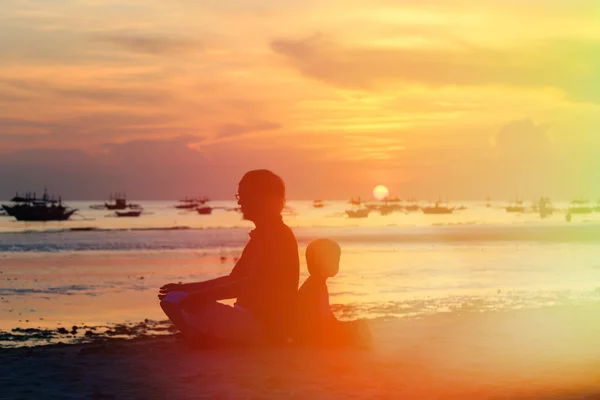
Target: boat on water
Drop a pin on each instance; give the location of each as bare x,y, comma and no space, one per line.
118,201
204,210
437,209
190,203
31,208
358,213
516,206
132,213
412,207
515,209
386,209
318,204
543,206
580,206
355,201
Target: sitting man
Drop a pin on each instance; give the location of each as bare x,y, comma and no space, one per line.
264,281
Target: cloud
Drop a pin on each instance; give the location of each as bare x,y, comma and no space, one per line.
153,45
160,169
521,138
525,160
85,130
572,66
125,95
231,130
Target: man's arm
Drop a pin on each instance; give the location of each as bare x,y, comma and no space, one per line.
229,290
206,285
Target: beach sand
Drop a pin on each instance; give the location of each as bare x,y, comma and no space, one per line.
545,353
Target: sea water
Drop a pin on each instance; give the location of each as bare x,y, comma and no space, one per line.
100,270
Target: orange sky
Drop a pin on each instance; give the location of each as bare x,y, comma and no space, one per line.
459,99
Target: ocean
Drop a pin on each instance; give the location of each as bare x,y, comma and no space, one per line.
96,272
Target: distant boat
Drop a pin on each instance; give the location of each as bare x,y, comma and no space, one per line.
580,201
580,206
191,203
355,201
437,209
132,213
31,208
412,207
318,204
544,207
119,202
393,199
516,206
386,209
488,202
204,210
580,210
200,200
187,206
359,213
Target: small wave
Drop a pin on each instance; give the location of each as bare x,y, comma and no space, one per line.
64,290
186,237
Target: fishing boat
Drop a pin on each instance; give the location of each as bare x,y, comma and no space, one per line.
437,209
516,206
544,207
31,208
393,199
191,203
386,209
355,201
580,206
358,213
132,213
204,210
318,204
118,201
412,205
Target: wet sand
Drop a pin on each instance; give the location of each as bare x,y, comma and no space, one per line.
546,353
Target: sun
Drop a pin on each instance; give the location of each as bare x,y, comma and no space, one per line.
380,192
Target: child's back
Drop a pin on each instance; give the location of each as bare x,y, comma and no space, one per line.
313,312
315,323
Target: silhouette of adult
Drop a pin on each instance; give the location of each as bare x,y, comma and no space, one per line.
264,280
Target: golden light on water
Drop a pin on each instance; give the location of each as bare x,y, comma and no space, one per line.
380,192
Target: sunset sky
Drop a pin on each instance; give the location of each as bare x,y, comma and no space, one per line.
461,99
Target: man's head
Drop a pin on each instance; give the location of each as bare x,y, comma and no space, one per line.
323,258
261,194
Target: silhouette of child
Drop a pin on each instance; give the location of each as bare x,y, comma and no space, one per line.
315,323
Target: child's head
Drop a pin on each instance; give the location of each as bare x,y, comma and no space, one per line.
323,258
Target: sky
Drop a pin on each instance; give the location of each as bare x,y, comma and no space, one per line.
459,99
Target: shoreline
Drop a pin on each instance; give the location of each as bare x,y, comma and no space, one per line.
550,353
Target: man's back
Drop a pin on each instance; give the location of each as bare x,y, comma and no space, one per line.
271,268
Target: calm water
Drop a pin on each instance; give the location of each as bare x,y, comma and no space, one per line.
399,265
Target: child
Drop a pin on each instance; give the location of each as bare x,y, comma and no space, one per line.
315,323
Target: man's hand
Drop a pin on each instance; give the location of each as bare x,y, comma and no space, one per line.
168,288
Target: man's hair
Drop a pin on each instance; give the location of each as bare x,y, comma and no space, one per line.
323,257
264,183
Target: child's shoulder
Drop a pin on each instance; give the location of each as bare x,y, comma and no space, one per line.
312,285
